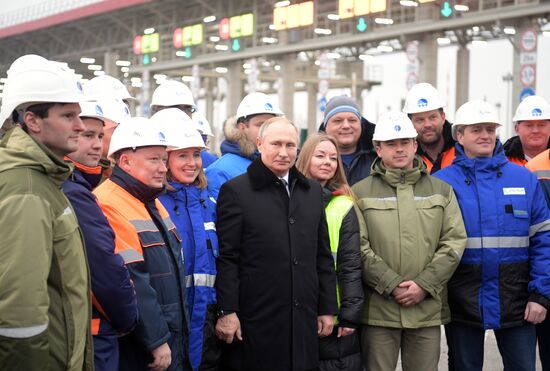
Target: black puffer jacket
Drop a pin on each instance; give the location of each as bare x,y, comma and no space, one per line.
344,353
365,155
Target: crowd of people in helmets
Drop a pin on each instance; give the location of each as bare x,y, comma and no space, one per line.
127,244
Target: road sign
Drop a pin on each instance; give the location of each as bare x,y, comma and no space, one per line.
322,104
323,87
528,40
526,92
528,58
527,75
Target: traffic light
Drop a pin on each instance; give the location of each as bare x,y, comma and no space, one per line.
146,59
235,46
446,9
361,25
187,53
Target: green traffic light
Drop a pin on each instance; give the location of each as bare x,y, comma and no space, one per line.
361,25
446,10
187,52
236,46
146,59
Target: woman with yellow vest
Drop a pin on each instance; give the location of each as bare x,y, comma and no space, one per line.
320,160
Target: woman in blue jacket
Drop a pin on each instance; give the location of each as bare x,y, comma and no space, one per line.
194,214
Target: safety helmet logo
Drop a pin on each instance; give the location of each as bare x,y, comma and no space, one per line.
162,138
268,107
98,110
79,86
397,128
422,102
536,112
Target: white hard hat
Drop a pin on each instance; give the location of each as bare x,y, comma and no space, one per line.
114,110
33,79
179,129
421,98
394,125
172,93
475,112
106,86
135,132
532,108
92,110
257,103
202,125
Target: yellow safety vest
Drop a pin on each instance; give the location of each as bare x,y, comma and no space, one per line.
336,210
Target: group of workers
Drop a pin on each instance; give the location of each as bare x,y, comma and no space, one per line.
128,246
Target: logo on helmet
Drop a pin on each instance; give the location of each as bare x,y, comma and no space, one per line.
422,102
162,138
268,107
79,86
397,128
536,112
98,110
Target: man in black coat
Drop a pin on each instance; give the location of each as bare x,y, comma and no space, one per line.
276,283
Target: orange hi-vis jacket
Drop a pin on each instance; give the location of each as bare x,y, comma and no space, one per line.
540,165
154,260
447,159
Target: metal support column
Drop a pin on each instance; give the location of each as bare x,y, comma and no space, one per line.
312,109
286,90
427,57
462,75
235,87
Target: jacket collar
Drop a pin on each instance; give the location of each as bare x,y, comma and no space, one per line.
89,177
494,163
514,149
141,191
229,146
20,150
262,177
394,177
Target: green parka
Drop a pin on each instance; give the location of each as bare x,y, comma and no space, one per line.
411,229
45,305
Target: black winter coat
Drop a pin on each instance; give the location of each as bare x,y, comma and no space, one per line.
275,268
344,353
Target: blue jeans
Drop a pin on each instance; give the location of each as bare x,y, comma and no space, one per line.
517,347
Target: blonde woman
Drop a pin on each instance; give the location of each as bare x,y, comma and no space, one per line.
193,212
320,160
